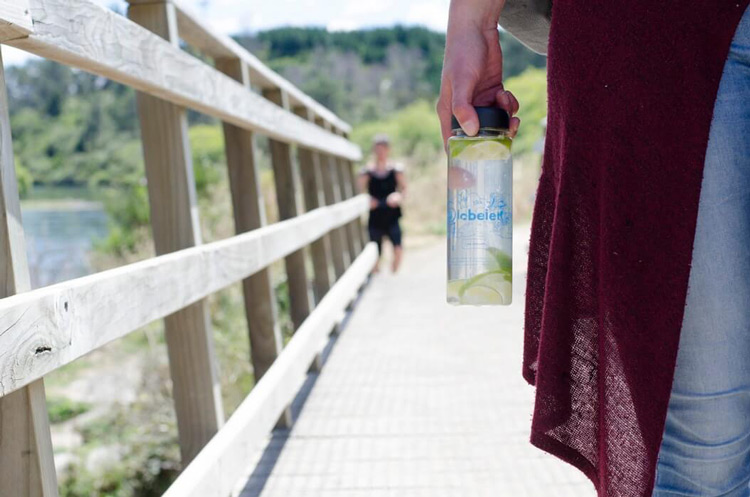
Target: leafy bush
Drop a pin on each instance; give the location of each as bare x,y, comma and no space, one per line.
61,409
414,128
530,88
24,178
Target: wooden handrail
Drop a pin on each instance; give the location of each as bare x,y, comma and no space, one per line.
82,34
215,470
49,327
15,19
219,46
53,326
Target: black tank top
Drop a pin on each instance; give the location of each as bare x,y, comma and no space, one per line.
380,187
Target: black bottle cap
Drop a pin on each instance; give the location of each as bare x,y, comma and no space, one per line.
489,117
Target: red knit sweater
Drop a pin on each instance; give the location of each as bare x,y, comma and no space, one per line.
631,93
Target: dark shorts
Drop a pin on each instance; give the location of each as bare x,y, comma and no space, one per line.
392,231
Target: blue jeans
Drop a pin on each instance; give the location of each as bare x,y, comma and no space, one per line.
706,446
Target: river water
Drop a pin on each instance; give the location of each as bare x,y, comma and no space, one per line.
60,237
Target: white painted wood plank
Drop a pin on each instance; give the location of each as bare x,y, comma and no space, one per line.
15,19
219,46
82,34
214,472
53,326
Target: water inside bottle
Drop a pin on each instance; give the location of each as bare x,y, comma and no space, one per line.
480,227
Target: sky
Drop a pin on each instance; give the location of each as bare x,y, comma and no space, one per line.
234,16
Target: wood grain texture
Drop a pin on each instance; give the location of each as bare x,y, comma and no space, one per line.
331,193
360,232
194,32
82,34
244,182
286,199
352,237
27,466
52,326
15,19
174,219
349,187
214,472
309,168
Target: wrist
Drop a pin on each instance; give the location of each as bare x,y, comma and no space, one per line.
474,14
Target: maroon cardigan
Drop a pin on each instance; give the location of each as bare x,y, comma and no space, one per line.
631,93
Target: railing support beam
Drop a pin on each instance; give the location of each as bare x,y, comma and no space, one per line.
27,467
359,228
309,169
286,197
249,214
174,218
332,194
345,183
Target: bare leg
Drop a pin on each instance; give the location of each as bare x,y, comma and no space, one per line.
397,255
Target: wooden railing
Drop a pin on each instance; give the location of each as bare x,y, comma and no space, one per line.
44,329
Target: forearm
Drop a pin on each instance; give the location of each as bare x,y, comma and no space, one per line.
401,184
481,14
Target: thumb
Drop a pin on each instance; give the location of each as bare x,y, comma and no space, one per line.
462,108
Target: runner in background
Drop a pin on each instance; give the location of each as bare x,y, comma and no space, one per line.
384,181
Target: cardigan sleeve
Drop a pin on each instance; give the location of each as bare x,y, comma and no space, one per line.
528,21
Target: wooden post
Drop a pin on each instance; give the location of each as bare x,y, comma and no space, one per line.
283,173
249,214
309,169
359,227
345,183
27,466
332,195
174,218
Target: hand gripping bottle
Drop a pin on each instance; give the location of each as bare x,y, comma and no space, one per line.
479,217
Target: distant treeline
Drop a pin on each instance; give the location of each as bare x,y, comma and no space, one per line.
366,74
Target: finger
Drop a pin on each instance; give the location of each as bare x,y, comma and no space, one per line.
506,100
514,104
444,115
513,128
462,108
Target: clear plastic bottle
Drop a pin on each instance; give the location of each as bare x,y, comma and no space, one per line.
480,212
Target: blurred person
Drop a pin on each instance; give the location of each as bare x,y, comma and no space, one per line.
384,181
637,324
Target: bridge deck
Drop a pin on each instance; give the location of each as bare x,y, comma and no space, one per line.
417,398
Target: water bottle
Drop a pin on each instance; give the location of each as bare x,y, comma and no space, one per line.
480,215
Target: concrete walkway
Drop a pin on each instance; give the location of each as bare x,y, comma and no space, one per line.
417,398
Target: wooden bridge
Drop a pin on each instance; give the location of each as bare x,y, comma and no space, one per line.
415,398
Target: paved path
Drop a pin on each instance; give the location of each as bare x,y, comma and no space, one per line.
417,398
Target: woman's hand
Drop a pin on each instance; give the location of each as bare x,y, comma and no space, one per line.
393,200
374,203
473,67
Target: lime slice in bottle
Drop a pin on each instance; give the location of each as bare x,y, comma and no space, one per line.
492,287
481,295
499,260
484,150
